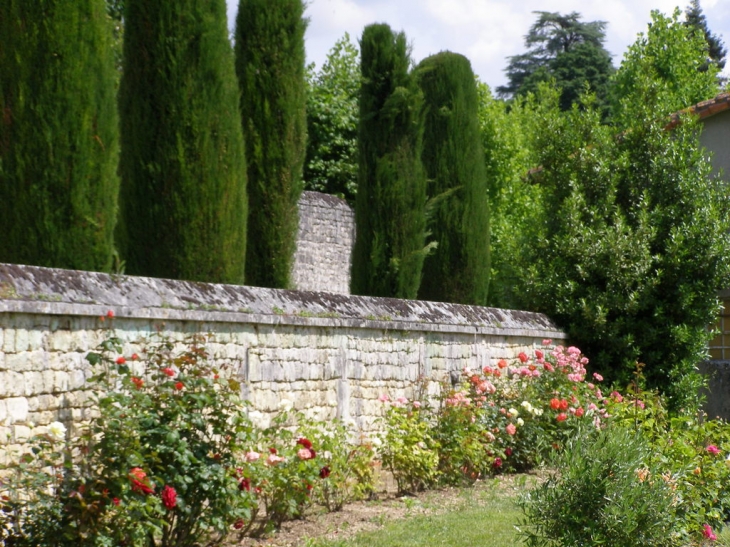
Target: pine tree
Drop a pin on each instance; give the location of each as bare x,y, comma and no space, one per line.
270,67
183,197
58,134
566,49
458,271
390,207
697,20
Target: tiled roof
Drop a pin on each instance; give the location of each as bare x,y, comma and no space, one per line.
703,110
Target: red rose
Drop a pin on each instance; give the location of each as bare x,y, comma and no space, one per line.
169,497
561,417
306,443
239,524
497,463
110,314
121,360
555,403
245,484
179,386
140,482
135,357
324,472
168,371
139,382
116,501
522,357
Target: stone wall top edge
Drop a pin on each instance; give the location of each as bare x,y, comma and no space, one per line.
32,289
204,316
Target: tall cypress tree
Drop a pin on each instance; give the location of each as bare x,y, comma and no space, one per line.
453,157
270,67
390,205
183,197
58,134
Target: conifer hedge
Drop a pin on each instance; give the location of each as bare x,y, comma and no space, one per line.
58,134
270,67
391,197
183,197
458,270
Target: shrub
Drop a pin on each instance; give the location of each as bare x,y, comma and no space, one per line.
159,463
603,493
347,468
408,449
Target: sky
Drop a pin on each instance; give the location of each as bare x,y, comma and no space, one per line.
485,31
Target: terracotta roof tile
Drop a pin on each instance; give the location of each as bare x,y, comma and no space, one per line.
703,110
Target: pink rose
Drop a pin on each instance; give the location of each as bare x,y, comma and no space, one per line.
305,454
511,429
712,449
252,456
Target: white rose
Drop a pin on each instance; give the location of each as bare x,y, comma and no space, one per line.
57,431
285,405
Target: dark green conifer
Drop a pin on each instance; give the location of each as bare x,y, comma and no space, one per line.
390,205
695,18
270,67
58,134
183,198
458,271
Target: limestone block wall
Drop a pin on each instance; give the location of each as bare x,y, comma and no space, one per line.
331,355
324,244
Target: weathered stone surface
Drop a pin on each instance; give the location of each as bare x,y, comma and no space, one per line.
330,355
324,244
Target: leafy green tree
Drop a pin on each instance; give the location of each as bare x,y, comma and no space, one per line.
563,48
332,112
514,201
58,134
390,214
634,246
458,269
270,68
695,19
183,196
665,69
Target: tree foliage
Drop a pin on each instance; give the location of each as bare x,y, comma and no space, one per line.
332,113
270,67
514,202
58,134
565,49
635,243
695,18
390,207
665,70
458,269
183,197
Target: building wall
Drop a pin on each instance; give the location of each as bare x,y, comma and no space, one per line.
331,355
715,137
324,244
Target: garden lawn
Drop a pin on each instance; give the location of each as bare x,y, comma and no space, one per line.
485,515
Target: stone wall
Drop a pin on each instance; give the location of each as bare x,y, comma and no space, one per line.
331,355
324,244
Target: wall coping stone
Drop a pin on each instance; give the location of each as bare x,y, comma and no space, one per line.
51,291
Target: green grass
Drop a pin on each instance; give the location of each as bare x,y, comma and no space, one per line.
484,517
